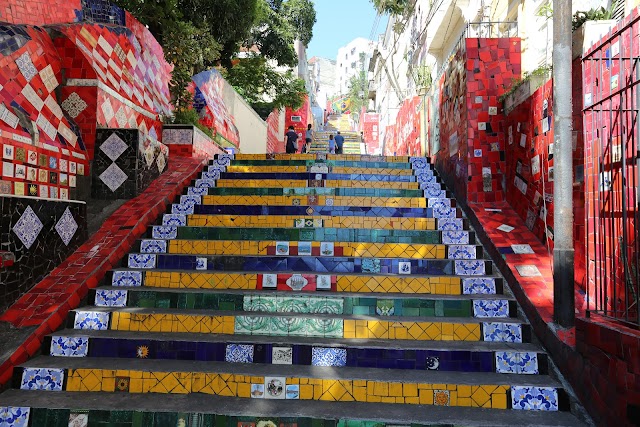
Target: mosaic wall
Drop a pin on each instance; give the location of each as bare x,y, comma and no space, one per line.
472,124
370,125
406,131
125,163
275,138
189,141
40,233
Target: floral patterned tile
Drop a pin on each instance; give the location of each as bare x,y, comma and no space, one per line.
502,332
491,308
462,252
531,398
514,362
470,267
146,261
239,353
451,224
69,346
176,220
111,298
91,320
127,278
455,237
14,416
321,356
49,379
164,232
479,286
155,246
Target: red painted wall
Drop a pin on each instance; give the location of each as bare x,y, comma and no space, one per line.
370,124
305,118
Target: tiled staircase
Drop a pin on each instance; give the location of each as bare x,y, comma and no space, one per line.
306,290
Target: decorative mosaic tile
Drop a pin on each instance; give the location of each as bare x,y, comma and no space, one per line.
275,387
439,203
111,298
418,163
441,398
239,353
455,237
69,346
462,252
142,261
292,391
182,209
282,248
371,265
322,356
28,227
78,420
269,281
444,212
528,270
385,307
25,65
327,248
531,398
197,191
211,175
323,282
491,308
479,286
175,220
297,282
502,332
304,248
281,355
514,362
66,227
113,177
469,267
49,379
127,278
434,191
257,391
522,249
190,200
205,183
91,320
164,232
426,177
14,416
113,146
201,263
506,228
432,363
404,267
153,246
319,168
451,224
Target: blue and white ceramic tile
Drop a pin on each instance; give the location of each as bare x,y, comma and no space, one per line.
419,163
153,246
66,227
434,191
127,278
212,175
444,212
239,353
91,320
205,183
201,263
455,237
491,308
502,332
451,224
164,232
223,160
174,220
216,168
404,267
531,398
426,177
111,298
197,191
142,260
190,200
49,379
14,416
479,286
321,356
469,267
514,362
28,227
182,209
462,252
292,391
113,147
439,203
69,346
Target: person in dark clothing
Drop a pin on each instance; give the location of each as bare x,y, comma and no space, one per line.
292,141
339,143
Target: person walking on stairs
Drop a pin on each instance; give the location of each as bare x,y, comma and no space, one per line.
292,141
339,143
308,139
332,144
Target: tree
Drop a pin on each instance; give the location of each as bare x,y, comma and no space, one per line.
359,88
302,16
392,7
272,35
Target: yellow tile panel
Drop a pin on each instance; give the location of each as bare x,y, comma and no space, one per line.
397,202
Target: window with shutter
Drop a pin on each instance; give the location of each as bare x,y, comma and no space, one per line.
619,11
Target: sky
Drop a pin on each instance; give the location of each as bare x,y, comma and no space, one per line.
340,21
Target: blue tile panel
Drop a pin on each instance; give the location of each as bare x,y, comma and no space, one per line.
14,416
367,211
534,398
69,346
49,379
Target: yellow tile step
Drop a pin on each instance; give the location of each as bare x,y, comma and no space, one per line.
391,202
300,183
299,169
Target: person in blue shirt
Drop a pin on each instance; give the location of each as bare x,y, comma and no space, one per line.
332,144
339,143
292,138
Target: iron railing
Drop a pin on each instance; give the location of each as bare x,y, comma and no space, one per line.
611,73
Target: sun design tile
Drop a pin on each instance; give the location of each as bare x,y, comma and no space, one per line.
69,346
91,320
175,220
111,298
14,416
469,267
462,252
479,286
28,227
531,398
491,308
321,356
164,232
514,362
455,237
127,278
153,246
142,261
49,379
502,332
239,353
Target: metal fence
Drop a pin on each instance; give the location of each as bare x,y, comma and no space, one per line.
611,74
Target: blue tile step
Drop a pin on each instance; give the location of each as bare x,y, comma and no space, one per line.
525,359
373,177
328,162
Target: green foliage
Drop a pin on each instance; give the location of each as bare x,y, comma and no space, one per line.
599,14
542,71
273,36
263,87
358,91
190,116
422,77
546,11
392,7
301,15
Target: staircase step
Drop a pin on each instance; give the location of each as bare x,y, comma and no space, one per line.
330,183
336,170
305,175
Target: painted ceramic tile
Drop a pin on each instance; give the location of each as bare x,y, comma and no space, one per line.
441,397
296,282
113,146
127,278
292,391
66,227
321,356
522,249
455,237
528,270
8,151
281,355
28,227
211,175
239,353
190,200
142,261
201,263
20,172
205,183
385,307
175,220
404,267
432,363
69,346
439,203
282,248
506,228
491,308
164,232
462,252
91,320
469,267
49,379
78,420
257,391
479,286
435,192
153,246
111,298
197,191
514,362
274,387
502,332
426,177
450,224
531,398
327,248
14,416
444,212
419,164
304,248
323,282
269,281
113,177
182,209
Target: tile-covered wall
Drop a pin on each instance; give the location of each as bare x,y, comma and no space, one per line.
189,141
275,138
125,163
44,13
406,131
472,124
40,233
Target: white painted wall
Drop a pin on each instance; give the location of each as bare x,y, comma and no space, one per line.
252,129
